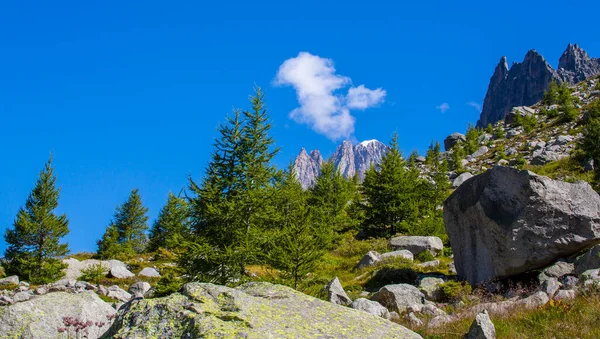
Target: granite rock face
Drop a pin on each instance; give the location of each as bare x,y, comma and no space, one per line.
253,310
43,316
505,222
523,84
348,159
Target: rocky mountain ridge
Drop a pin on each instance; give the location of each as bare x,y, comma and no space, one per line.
524,83
348,159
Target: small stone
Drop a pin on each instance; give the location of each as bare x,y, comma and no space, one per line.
13,279
550,286
569,282
371,307
404,254
336,294
4,300
430,287
120,272
565,295
482,327
370,259
433,263
41,290
139,289
414,320
118,293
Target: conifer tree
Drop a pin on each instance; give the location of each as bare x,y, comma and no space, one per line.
330,196
128,227
233,205
34,241
394,194
171,226
299,242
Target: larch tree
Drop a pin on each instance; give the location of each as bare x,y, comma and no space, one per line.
33,243
128,228
171,226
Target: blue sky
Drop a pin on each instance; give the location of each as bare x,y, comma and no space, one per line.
128,93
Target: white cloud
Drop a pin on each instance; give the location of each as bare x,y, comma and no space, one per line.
362,98
315,81
443,107
474,105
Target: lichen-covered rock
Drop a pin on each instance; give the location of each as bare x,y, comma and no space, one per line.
417,244
371,307
253,310
44,316
505,222
430,286
482,327
336,294
400,297
75,267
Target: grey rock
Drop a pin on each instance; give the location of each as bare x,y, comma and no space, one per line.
371,307
13,279
399,297
551,286
482,327
149,272
41,317
41,290
569,282
535,300
404,254
590,277
565,295
511,116
452,268
432,310
563,140
139,289
336,294
414,320
4,301
118,293
461,179
559,269
453,139
370,259
21,296
481,151
253,310
430,287
75,267
120,272
421,159
506,222
524,83
417,244
589,260
432,263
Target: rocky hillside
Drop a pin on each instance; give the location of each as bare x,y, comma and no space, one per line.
348,159
523,84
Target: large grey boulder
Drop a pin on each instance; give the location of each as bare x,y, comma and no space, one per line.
253,310
453,139
400,297
336,294
75,268
417,244
505,222
371,307
482,327
45,316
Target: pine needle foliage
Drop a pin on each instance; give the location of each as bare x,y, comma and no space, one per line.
34,246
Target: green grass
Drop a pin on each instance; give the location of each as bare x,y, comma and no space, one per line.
567,169
578,318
